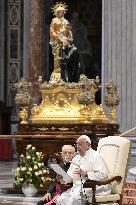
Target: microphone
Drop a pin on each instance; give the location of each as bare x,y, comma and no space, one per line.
75,164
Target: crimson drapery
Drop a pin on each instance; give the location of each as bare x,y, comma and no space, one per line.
5,149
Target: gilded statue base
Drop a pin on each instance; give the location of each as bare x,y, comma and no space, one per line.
59,105
24,115
66,103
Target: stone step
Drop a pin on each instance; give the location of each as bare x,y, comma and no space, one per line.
129,200
6,184
26,200
6,178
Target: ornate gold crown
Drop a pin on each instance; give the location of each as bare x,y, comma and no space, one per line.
59,6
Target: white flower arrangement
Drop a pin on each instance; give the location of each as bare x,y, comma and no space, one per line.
31,169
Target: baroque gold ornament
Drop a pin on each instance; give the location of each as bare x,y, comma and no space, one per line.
23,98
23,95
24,115
112,100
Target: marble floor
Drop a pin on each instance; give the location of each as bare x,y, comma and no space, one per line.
7,180
18,200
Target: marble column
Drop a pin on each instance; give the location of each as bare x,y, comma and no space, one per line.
119,55
36,40
2,49
25,38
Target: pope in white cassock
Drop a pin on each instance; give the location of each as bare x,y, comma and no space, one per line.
87,165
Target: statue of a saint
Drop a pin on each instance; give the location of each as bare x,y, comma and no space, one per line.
63,49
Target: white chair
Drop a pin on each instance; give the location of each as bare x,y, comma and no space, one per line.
115,151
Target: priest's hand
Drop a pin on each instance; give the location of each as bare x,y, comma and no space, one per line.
60,179
47,197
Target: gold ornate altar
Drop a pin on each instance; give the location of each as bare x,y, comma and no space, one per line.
59,104
68,103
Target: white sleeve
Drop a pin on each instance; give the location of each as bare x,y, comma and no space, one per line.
99,169
72,167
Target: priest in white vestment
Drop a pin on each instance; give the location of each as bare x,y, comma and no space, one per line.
88,164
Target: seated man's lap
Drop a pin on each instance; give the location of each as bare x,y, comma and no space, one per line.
73,196
67,199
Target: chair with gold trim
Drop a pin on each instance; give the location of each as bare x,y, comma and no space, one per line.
115,150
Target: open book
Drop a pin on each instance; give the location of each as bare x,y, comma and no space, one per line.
61,172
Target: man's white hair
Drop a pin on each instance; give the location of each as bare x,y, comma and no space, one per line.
68,146
85,137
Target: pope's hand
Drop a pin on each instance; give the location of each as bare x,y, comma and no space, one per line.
79,171
47,197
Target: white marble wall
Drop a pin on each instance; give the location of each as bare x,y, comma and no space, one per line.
119,55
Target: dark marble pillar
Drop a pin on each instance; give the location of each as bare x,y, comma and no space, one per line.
37,52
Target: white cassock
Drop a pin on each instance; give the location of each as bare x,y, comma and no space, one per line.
96,169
